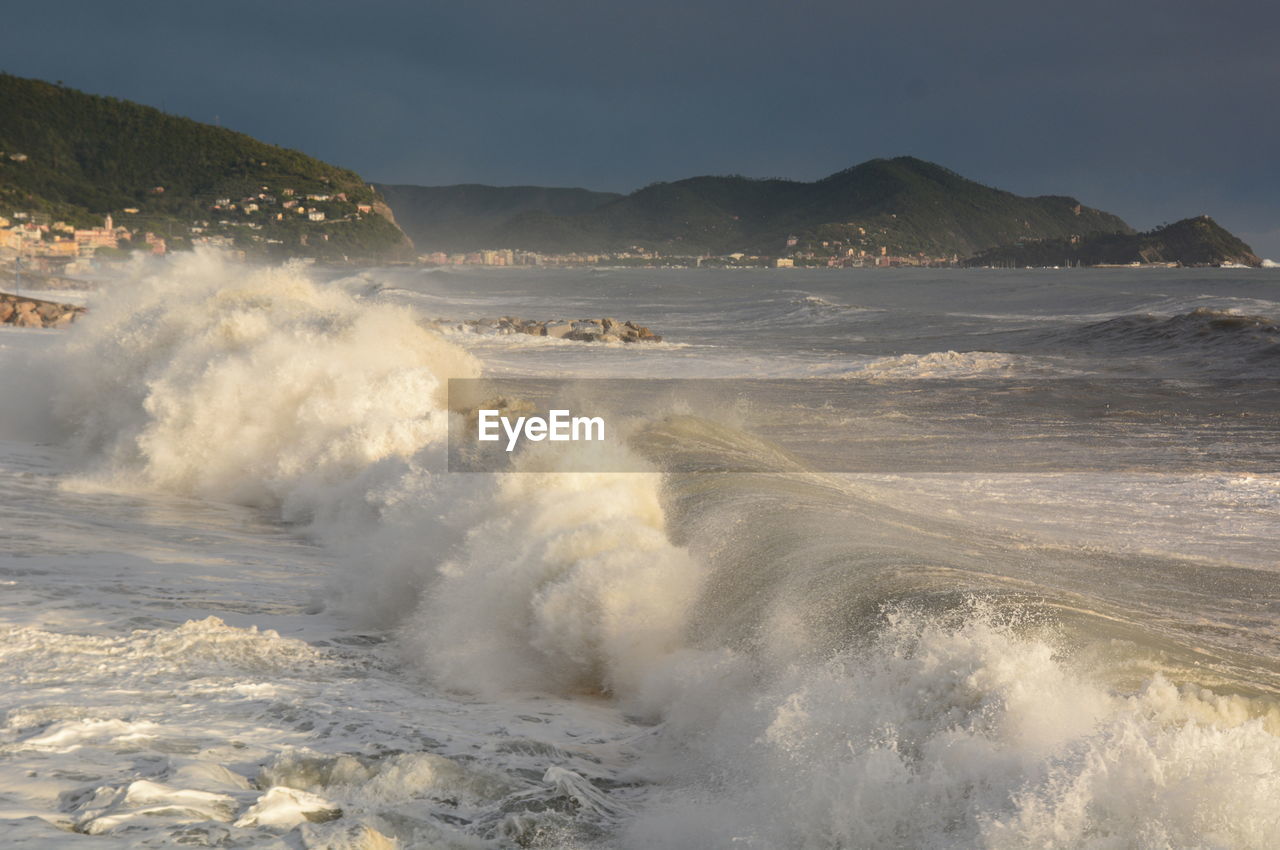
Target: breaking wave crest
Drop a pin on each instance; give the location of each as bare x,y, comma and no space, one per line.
1214,335
814,308
969,733
250,385
953,365
568,584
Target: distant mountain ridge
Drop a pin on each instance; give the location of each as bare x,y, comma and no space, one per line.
905,206
68,160
469,216
78,157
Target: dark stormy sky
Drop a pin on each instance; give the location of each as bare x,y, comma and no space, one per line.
1153,109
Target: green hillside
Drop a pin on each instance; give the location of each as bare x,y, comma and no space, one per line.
467,217
1197,241
77,157
905,205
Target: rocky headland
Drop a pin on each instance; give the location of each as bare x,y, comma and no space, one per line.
1199,241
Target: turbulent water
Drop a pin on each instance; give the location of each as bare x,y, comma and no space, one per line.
246,605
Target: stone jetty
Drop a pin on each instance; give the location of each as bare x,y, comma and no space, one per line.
580,330
34,313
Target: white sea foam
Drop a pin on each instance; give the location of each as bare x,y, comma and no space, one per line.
568,583
954,735
951,364
250,385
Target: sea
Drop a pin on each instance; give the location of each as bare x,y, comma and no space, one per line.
905,558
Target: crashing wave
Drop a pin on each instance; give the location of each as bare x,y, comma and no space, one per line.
1198,333
949,364
250,385
813,308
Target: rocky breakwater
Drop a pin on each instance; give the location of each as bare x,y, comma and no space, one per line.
35,313
580,330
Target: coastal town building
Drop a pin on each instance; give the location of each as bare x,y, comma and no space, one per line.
89,240
53,246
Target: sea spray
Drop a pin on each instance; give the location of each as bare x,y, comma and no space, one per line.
250,385
568,584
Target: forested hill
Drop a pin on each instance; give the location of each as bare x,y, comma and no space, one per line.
468,217
76,157
903,206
